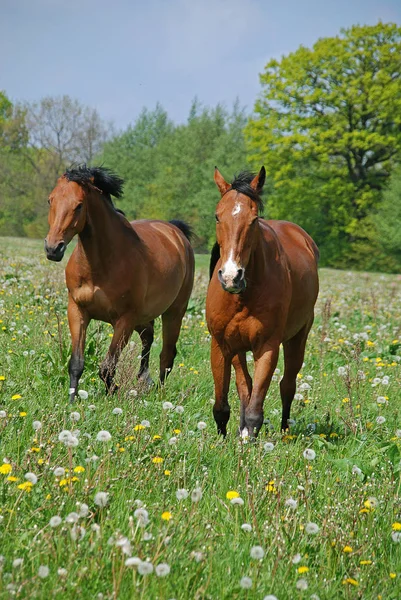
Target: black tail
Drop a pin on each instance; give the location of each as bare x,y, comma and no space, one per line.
185,228
214,257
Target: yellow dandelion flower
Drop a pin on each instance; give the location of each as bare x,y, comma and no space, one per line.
121,449
48,497
345,400
139,427
271,487
22,413
12,478
63,482
365,562
5,469
396,526
41,461
2,378
347,549
35,449
16,397
79,469
350,581
157,437
302,570
369,343
167,472
177,431
166,516
26,486
232,494
157,460
393,575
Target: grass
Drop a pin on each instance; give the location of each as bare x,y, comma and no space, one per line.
347,412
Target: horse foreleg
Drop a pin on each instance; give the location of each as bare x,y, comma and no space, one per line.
146,333
294,351
244,384
78,322
265,363
221,369
171,325
122,332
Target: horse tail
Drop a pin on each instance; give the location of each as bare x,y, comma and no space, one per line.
214,257
184,227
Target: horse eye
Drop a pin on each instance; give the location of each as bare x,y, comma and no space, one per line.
217,218
48,201
78,208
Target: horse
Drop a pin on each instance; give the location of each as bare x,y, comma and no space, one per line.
262,292
123,273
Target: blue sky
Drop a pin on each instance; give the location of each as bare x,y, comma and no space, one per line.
122,55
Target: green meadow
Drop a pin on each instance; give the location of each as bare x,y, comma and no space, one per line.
135,496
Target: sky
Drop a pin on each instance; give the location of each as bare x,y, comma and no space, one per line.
119,56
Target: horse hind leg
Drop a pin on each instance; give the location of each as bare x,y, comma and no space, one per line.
294,351
171,326
146,333
122,332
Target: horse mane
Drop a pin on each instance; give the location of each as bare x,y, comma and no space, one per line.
242,185
104,179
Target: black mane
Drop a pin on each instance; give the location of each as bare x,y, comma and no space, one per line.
242,185
104,179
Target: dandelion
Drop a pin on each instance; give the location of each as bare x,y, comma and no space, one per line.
196,495
16,397
291,503
347,549
64,436
246,583
72,517
342,371
43,571
157,460
393,575
302,570
396,536
101,499
309,454
36,425
83,394
296,559
26,486
145,423
55,521
3,414
365,562
145,568
182,494
133,561
268,447
103,436
167,406
201,425
351,581
270,597
301,585
396,526
17,562
179,410
197,556
83,509
172,441
31,477
61,572
166,516
246,527
117,411
237,501
5,469
356,470
257,552
79,469
75,416
312,528
380,420
58,471
162,570
232,494
381,400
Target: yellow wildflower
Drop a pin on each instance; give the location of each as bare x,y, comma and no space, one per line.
5,469
157,437
12,478
302,570
396,526
350,581
232,494
16,397
22,414
365,562
79,469
26,486
167,472
393,575
2,378
139,427
347,549
157,460
166,516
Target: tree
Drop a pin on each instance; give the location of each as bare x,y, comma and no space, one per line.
328,128
388,218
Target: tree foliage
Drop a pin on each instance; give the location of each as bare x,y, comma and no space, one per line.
328,128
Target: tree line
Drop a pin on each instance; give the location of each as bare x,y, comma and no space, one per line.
326,125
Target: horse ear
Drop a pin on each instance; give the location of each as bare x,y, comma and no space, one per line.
258,182
221,182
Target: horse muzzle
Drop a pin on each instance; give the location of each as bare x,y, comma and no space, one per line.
55,253
233,285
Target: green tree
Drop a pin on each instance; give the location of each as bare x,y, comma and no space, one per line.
386,222
327,126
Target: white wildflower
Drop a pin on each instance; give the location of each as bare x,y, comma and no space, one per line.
309,454
36,425
196,495
202,425
246,527
257,552
103,436
312,528
43,571
55,521
31,477
162,569
145,568
181,494
101,499
246,583
268,447
83,394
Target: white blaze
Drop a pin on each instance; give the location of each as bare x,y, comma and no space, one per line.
236,209
230,268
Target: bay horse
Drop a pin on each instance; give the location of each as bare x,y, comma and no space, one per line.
123,273
262,291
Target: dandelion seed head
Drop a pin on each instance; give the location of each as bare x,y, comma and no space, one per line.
302,585
101,499
246,583
55,521
257,552
117,411
83,394
181,494
246,527
268,447
43,571
162,569
312,528
31,477
103,436
145,568
36,425
309,454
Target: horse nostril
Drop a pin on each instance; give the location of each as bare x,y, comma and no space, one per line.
60,247
239,276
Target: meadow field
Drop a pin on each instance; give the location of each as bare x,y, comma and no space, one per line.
135,496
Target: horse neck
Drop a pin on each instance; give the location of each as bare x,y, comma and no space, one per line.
101,239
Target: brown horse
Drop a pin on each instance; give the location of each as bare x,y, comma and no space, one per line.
262,293
123,273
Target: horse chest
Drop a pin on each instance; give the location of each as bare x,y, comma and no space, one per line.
241,332
93,299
